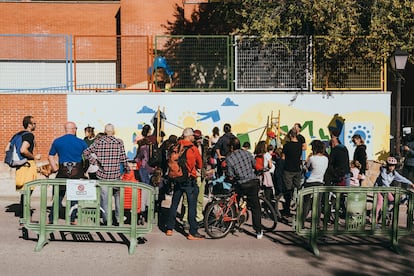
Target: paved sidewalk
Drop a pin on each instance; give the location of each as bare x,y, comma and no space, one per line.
278,253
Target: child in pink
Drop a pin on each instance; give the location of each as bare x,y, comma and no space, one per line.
355,173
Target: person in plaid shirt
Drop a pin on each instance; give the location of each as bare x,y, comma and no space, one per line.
108,153
240,171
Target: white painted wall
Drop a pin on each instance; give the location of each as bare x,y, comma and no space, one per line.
365,113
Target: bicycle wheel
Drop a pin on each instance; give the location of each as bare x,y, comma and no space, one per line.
219,219
269,217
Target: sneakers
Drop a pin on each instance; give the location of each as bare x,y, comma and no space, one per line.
169,232
194,237
259,235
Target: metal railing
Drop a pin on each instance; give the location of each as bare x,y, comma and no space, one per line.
35,61
352,211
200,63
89,211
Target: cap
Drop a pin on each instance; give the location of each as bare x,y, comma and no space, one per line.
197,134
271,134
188,132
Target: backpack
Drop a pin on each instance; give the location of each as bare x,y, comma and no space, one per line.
177,163
155,156
259,167
13,157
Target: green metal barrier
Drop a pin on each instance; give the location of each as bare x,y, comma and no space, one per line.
88,211
352,211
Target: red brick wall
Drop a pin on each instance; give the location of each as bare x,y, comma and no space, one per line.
95,19
49,111
138,17
58,18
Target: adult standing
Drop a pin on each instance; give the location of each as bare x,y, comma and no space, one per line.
240,171
89,135
316,163
188,186
143,154
202,146
360,154
408,168
108,153
214,137
65,157
222,147
301,140
292,173
338,172
27,172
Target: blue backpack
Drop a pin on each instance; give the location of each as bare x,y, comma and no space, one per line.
13,156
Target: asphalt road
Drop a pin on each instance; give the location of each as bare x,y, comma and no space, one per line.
278,253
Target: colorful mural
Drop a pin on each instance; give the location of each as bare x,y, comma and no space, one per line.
367,114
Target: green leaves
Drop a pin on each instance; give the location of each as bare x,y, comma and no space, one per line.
387,24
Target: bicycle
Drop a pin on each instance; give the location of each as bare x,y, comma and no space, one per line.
225,213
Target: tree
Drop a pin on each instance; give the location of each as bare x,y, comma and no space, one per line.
384,24
347,32
200,62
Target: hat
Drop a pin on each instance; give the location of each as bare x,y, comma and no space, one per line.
188,132
197,134
271,134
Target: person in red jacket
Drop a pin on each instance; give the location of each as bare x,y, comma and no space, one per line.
187,186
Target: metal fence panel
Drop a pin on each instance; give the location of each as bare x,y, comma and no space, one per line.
200,63
281,64
111,62
35,62
345,74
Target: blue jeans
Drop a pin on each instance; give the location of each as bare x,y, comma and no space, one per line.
190,188
104,203
144,174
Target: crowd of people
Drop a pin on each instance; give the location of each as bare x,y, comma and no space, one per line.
285,167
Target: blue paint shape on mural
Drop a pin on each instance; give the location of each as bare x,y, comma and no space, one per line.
214,115
146,109
229,102
362,130
131,154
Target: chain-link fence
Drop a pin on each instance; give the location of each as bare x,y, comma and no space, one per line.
280,64
111,62
349,72
198,63
180,63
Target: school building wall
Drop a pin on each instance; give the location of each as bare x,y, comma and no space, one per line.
249,113
138,17
49,110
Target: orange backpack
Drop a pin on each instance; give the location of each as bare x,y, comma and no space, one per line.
177,163
259,167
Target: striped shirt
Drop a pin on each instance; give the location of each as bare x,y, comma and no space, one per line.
108,153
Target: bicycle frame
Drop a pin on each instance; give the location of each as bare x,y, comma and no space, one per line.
239,212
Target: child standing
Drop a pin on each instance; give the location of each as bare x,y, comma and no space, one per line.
355,173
